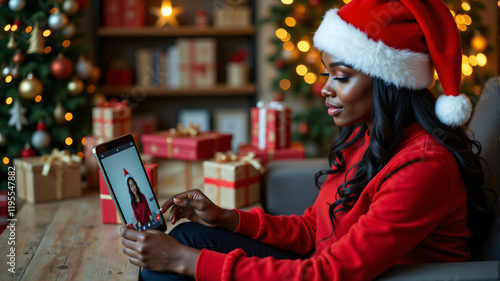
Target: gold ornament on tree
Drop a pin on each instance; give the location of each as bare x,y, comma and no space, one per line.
59,113
75,86
30,87
36,41
12,44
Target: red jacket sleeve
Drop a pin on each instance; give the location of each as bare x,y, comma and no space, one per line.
290,233
406,208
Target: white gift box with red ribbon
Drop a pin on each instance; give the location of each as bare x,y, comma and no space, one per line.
111,119
197,59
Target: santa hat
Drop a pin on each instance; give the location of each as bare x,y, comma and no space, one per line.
400,42
127,175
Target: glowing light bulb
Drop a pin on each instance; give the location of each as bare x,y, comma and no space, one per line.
481,59
285,84
288,46
281,33
466,69
7,27
287,2
47,33
291,22
310,78
38,98
473,60
68,116
68,141
303,46
466,6
6,160
8,100
301,69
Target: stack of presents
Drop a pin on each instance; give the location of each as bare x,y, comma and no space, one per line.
176,160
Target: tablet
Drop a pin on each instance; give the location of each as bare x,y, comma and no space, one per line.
128,184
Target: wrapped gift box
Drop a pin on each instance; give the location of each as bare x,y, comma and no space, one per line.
197,59
233,16
176,176
91,168
48,178
232,184
3,210
134,12
108,209
112,13
295,151
271,125
167,144
111,119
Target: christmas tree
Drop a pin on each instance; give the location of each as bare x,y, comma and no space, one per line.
46,82
298,63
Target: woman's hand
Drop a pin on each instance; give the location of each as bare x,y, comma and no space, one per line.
196,207
155,250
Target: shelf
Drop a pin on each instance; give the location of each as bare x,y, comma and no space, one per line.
218,90
150,31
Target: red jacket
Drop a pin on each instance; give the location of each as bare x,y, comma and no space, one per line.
142,211
406,214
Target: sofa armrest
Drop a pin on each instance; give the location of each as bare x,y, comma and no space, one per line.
288,185
458,271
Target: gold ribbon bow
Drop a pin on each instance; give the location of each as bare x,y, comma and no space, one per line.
58,155
191,130
221,157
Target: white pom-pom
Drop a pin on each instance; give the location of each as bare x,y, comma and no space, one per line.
453,110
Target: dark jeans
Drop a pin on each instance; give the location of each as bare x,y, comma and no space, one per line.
202,237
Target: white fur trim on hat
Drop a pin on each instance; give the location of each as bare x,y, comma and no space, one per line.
453,110
403,68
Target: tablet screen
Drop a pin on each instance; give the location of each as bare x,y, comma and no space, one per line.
131,187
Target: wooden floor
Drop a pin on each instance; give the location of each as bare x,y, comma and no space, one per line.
65,240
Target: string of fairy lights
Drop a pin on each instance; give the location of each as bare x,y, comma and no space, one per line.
31,88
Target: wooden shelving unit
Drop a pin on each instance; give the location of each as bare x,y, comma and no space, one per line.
218,90
190,31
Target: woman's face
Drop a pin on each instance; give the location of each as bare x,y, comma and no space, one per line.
348,93
132,186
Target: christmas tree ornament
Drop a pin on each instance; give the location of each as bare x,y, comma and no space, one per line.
17,117
12,44
70,7
303,128
95,75
28,151
57,20
30,87
17,5
18,57
3,139
75,86
61,67
58,114
97,99
478,42
36,41
17,24
14,71
40,138
315,3
69,31
279,62
167,15
5,71
83,68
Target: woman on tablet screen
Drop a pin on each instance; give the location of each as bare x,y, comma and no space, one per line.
138,201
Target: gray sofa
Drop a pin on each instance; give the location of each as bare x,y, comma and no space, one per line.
288,188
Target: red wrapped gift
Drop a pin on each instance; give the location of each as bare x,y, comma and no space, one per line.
133,13
295,151
119,77
185,146
271,125
111,119
108,209
112,13
3,210
232,181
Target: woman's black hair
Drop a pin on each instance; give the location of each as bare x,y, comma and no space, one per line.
394,109
132,196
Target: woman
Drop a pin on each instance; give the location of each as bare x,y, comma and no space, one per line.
138,201
405,184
